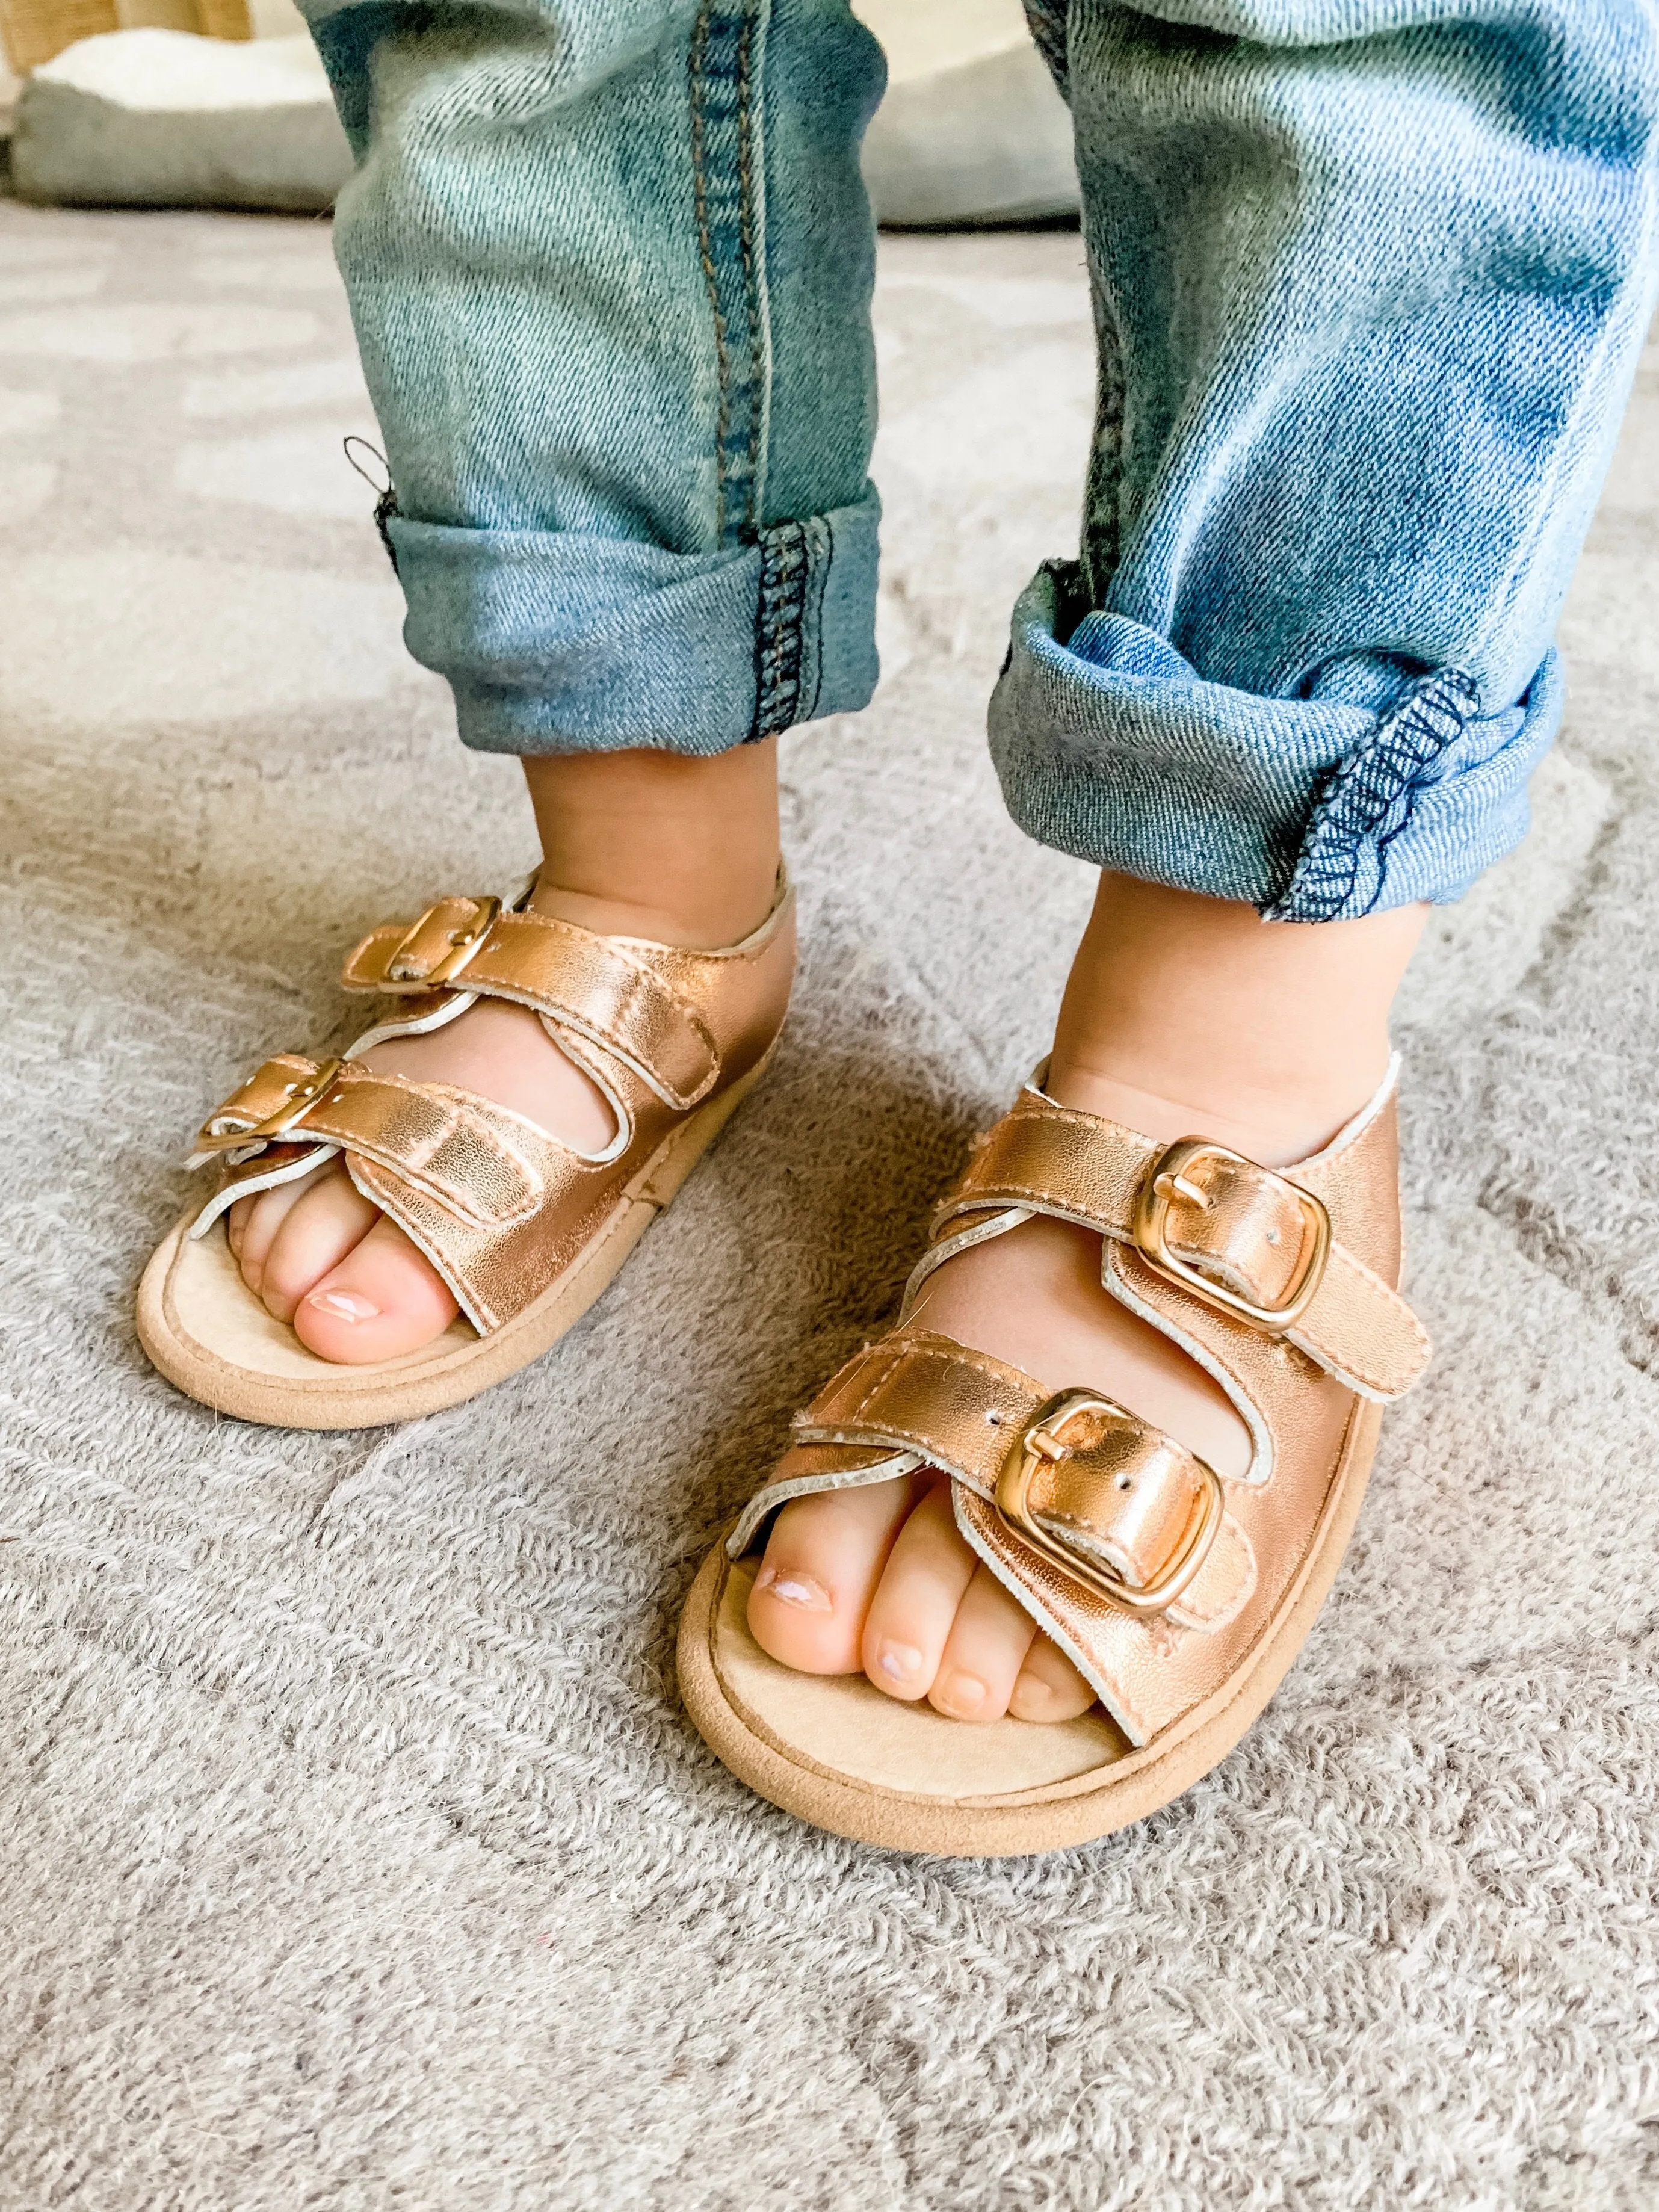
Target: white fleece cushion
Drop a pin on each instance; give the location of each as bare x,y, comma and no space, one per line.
972,129
164,118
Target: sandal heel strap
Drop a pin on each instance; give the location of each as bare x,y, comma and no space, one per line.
605,989
1254,1243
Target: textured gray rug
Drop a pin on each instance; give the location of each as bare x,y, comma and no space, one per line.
354,1851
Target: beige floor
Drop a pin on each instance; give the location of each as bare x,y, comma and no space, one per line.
355,1852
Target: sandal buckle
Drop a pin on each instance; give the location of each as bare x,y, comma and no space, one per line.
300,1096
1196,1172
1043,1440
436,946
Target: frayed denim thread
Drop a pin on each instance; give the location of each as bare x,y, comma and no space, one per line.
387,509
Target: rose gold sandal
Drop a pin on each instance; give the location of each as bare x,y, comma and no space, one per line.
1182,1597
525,1231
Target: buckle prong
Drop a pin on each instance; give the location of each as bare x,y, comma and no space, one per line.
301,1095
1041,1441
463,943
1167,1184
1170,1181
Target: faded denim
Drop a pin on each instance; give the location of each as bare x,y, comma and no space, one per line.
611,264
1371,280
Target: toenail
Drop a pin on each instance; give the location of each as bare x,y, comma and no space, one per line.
899,1663
345,1305
792,1588
966,1691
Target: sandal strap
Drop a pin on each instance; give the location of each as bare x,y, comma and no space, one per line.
1121,1509
448,1144
1143,1582
604,988
1254,1243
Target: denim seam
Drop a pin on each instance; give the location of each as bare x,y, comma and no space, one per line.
751,173
817,578
1103,520
785,567
706,251
722,99
1368,799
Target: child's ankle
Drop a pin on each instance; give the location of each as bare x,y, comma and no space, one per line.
699,917
1190,1016
1270,1128
657,844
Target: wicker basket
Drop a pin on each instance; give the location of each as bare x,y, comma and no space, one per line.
33,31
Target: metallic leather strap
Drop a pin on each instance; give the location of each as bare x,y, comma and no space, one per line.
604,988
1122,1508
1254,1244
441,1141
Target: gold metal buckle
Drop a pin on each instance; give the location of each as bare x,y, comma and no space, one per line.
1172,1179
463,943
302,1095
1041,1441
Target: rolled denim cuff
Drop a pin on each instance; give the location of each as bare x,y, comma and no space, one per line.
1112,747
556,643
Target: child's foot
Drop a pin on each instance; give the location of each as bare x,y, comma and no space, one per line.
1183,1016
653,845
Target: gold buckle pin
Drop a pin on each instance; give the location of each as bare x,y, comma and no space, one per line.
1172,1180
408,968
302,1095
1042,1441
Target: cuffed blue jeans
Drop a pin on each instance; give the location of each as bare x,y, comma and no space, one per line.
1371,279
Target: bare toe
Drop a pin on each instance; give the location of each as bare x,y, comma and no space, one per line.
822,1562
926,1577
383,1300
312,1234
1050,1688
983,1652
253,1222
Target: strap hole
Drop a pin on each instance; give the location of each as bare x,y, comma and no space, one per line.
995,1420
1125,1482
